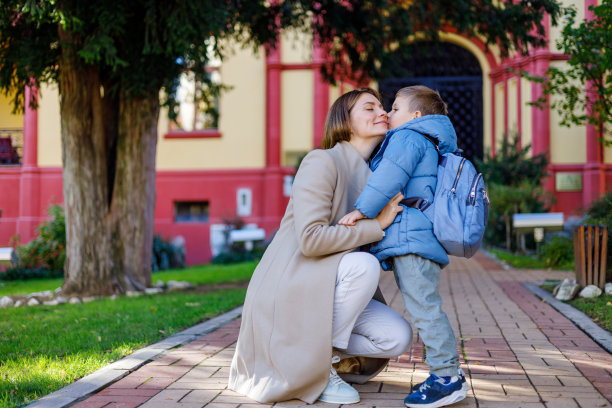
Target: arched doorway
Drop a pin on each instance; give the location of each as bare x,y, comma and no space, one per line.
456,74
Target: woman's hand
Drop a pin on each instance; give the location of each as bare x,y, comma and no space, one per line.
386,216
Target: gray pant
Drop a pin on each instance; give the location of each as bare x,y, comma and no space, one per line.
417,279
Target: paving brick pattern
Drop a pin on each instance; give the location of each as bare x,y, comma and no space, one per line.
516,350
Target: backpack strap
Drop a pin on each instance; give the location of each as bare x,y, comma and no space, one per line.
434,141
416,202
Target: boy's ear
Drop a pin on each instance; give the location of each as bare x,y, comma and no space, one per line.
417,114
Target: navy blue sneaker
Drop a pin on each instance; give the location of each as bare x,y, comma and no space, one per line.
464,385
436,392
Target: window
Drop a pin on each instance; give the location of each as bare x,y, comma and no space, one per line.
197,103
191,211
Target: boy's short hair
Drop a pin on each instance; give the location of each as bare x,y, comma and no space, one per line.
423,99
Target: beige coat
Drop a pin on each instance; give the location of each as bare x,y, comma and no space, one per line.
284,347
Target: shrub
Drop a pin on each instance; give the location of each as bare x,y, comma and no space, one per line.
18,273
167,255
558,251
44,256
238,253
48,249
515,185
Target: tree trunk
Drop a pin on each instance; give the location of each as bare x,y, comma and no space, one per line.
108,157
133,203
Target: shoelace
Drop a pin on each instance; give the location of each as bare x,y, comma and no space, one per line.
424,386
335,378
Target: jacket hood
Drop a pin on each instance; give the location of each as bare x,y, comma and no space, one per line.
436,126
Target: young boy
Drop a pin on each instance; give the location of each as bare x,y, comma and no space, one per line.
407,162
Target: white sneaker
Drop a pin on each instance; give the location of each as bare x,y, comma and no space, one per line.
337,390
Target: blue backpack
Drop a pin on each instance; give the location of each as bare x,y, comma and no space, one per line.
460,205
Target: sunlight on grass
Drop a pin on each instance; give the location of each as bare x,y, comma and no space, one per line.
197,275
45,348
28,286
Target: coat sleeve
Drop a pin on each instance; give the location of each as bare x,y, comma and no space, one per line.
312,195
391,176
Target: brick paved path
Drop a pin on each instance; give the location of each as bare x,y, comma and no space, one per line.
516,350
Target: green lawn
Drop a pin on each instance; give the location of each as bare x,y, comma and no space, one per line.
45,348
526,261
197,275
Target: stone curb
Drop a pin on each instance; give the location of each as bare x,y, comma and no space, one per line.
584,322
120,368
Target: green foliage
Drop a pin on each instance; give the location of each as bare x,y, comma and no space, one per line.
166,255
141,46
122,52
19,273
512,165
238,253
583,90
515,185
525,261
44,256
598,308
45,348
558,252
600,212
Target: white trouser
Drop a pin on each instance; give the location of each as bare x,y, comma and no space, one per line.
363,326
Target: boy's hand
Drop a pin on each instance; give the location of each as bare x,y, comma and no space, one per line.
351,218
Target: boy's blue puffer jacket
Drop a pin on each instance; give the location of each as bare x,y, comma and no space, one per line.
408,162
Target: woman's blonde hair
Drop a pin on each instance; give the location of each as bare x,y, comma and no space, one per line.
338,121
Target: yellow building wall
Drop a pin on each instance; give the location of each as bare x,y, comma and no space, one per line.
297,115
296,47
567,144
49,127
9,120
499,114
241,123
526,125
512,108
555,32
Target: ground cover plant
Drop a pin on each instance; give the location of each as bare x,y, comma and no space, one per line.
45,348
599,309
528,261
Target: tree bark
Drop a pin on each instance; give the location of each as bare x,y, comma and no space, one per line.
133,203
108,160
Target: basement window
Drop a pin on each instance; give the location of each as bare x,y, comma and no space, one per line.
191,211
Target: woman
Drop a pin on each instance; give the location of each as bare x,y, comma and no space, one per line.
311,291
